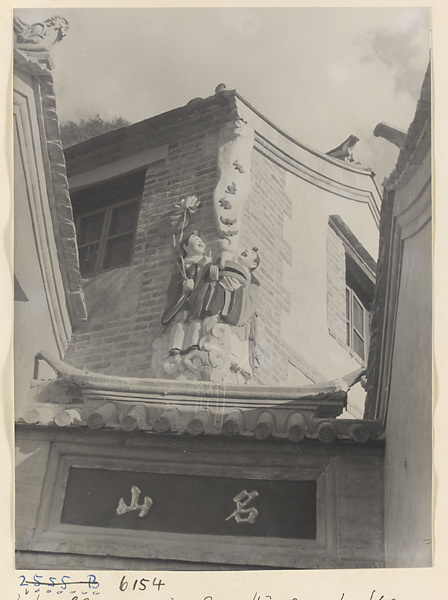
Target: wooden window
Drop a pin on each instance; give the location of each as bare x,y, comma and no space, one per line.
106,222
358,282
106,237
357,323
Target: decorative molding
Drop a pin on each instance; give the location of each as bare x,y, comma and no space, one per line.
79,380
235,145
29,154
93,401
302,171
229,94
37,64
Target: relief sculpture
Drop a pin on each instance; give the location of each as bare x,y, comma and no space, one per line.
209,322
42,36
209,317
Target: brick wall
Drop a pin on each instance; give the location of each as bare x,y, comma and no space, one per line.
336,309
119,341
262,226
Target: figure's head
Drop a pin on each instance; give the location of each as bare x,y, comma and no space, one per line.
250,259
192,245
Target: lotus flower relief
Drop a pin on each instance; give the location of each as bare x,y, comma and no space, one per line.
189,204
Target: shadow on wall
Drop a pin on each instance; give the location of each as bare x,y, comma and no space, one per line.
112,293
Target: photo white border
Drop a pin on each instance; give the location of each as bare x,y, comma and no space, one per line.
399,584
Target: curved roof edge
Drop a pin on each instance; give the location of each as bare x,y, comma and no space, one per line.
324,156
79,399
198,105
303,161
164,387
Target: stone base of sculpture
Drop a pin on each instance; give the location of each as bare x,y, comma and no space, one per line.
222,354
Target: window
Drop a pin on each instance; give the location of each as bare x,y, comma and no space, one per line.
350,288
106,232
105,237
357,323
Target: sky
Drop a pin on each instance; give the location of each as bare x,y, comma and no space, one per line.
320,74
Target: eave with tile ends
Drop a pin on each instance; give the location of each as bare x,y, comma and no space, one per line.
77,398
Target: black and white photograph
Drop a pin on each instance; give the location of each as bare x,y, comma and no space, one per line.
222,289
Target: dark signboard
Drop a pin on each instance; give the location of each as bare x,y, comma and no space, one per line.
190,504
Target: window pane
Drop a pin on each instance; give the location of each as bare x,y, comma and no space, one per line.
118,251
90,228
124,218
358,344
348,333
87,259
358,316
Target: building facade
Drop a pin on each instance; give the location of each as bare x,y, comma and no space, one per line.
216,279
305,212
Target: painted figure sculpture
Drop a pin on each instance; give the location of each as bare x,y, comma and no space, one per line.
209,318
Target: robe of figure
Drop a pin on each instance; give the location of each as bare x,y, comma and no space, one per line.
177,297
235,308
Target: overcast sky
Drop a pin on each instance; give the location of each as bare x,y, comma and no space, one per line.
320,74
